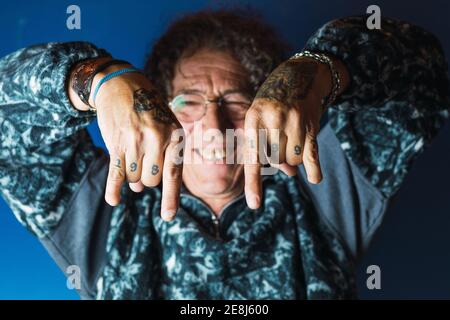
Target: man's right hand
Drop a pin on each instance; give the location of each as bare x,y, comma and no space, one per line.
142,135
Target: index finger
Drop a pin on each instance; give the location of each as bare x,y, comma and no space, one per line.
252,166
116,177
172,179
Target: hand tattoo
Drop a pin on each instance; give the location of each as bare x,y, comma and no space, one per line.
274,148
150,100
155,170
290,82
314,149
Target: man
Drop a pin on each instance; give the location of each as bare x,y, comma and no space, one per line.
226,231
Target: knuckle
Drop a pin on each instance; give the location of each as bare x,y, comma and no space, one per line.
252,115
115,150
135,136
175,125
116,174
293,160
312,158
310,135
151,181
133,178
275,118
154,137
294,113
173,173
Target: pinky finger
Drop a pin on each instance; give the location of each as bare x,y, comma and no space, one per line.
311,159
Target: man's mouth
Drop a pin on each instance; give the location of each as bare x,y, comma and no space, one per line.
211,154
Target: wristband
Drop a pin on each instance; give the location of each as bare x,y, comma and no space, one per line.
84,75
111,76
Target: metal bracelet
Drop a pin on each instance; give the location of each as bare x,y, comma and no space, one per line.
334,74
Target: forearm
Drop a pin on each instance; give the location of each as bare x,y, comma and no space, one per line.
397,97
39,74
397,62
79,71
44,150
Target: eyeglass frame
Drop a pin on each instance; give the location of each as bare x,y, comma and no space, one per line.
218,100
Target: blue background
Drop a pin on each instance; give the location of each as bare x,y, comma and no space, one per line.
411,247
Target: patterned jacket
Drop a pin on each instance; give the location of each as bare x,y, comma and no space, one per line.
304,240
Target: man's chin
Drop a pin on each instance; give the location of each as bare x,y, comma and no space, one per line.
215,184
212,179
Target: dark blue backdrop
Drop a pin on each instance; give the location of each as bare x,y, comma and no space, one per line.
412,246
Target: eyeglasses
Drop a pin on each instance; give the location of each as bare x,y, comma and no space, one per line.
192,107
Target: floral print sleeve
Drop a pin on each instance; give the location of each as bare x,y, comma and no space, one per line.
398,97
44,148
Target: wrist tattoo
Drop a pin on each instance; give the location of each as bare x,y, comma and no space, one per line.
290,82
146,100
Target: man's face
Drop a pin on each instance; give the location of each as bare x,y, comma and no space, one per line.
212,75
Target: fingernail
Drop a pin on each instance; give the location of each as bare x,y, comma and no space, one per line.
167,215
253,202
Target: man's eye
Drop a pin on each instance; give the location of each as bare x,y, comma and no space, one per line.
237,104
192,103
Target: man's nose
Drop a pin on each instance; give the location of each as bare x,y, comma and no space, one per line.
214,118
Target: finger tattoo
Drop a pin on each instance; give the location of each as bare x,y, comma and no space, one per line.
133,167
297,150
155,169
314,149
117,165
274,147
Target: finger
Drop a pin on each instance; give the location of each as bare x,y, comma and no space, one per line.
136,186
295,140
311,156
116,176
172,179
277,146
152,165
252,166
276,143
133,165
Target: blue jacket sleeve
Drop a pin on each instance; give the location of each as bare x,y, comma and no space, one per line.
397,100
44,147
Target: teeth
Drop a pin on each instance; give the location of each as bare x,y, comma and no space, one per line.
219,154
213,154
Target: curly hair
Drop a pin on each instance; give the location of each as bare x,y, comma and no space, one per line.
254,44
